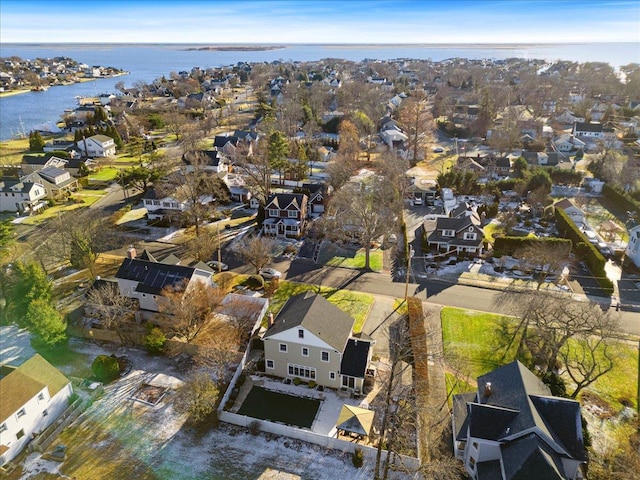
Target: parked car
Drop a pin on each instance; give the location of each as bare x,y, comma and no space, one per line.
438,150
218,266
269,273
417,200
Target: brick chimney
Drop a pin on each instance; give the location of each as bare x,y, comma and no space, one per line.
131,253
487,389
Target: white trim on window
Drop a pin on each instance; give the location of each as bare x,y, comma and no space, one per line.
283,348
270,364
324,354
305,351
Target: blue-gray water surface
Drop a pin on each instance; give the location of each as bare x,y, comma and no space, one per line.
28,111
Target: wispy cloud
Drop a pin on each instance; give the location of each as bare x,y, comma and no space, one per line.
313,21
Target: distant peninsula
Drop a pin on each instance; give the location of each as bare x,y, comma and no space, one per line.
237,48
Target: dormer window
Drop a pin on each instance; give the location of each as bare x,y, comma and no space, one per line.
448,233
293,214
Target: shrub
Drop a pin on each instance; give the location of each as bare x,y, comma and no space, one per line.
155,339
297,381
357,457
105,368
312,384
255,282
254,428
224,280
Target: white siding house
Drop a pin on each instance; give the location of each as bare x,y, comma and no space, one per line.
32,397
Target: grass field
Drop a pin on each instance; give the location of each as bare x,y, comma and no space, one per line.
355,304
279,407
344,256
105,175
472,344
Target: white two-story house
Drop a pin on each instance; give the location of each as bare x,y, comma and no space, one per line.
633,247
97,146
312,339
32,397
21,197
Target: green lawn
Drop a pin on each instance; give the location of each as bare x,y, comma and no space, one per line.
355,304
336,255
473,345
279,407
471,341
357,262
106,174
52,212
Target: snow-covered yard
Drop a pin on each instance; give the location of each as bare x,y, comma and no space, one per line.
120,437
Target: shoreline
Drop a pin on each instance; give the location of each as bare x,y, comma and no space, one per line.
27,89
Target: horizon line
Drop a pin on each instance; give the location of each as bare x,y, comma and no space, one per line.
278,44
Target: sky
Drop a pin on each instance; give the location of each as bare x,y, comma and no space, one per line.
320,22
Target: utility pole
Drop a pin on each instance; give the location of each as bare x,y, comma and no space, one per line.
406,285
219,253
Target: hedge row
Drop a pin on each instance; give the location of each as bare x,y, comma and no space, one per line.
584,249
509,245
622,200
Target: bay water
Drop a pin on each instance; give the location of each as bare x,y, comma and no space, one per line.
146,62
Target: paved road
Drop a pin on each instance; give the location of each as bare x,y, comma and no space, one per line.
434,291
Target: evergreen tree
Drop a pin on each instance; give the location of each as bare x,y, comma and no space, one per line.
36,142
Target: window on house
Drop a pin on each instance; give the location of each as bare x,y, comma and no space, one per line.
273,212
293,214
21,413
41,396
301,371
20,434
270,364
305,352
448,233
300,333
283,347
45,413
3,427
332,375
469,236
325,356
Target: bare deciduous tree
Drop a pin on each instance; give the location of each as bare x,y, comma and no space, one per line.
114,311
553,329
417,122
257,251
548,258
361,212
190,310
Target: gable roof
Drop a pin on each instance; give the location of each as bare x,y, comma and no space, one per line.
26,381
284,200
152,277
515,387
210,157
101,139
221,140
317,315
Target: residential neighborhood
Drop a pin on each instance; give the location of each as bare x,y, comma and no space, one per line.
396,269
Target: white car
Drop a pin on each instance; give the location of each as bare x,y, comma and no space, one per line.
438,150
218,266
269,273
